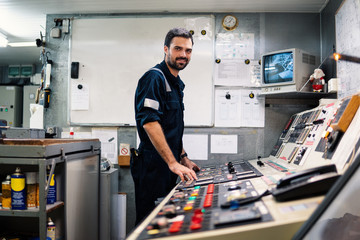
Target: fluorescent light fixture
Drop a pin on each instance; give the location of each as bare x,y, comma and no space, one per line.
3,40
22,44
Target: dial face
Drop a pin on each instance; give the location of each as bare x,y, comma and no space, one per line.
230,22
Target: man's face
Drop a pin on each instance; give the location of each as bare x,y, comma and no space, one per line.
178,55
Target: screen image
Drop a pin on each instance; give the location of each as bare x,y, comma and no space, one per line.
278,68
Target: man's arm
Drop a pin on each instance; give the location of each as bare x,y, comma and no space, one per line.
157,138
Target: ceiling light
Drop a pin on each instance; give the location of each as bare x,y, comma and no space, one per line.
22,44
3,40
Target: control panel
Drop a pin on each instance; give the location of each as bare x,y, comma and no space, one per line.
211,202
207,207
232,195
11,106
223,173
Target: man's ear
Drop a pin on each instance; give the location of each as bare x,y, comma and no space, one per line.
166,49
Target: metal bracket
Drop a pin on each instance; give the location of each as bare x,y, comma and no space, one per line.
53,163
63,156
93,149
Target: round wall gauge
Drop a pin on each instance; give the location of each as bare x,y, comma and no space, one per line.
229,22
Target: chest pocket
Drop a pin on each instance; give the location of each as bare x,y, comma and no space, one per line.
173,114
172,105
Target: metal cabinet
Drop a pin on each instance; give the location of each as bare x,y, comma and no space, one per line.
109,226
76,164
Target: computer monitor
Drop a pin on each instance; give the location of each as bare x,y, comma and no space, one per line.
338,216
286,71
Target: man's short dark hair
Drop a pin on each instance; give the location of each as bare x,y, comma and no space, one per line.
177,32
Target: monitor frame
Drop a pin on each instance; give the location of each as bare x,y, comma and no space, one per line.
301,73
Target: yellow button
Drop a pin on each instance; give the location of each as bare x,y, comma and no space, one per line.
153,231
188,208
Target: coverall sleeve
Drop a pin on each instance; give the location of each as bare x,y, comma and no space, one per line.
150,98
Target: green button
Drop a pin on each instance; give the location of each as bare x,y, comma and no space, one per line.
197,187
192,198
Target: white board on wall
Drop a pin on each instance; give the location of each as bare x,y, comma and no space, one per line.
113,53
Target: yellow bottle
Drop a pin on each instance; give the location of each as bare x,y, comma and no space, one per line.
6,193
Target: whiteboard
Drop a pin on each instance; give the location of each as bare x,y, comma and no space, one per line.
113,53
347,21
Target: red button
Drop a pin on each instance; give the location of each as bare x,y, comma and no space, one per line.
195,226
175,227
196,219
210,188
208,200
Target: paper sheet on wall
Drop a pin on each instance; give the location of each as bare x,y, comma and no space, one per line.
235,72
196,146
79,96
227,144
239,108
227,108
235,46
108,139
252,108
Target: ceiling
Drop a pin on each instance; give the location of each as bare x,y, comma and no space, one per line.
22,20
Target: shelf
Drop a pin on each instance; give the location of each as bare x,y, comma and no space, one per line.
53,152
27,161
30,212
299,95
297,98
304,95
52,207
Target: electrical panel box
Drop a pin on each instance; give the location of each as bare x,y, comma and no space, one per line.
21,71
11,105
27,70
28,98
14,71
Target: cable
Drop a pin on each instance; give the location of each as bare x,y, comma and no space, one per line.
316,68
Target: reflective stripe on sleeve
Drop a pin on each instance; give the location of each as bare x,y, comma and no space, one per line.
168,88
151,103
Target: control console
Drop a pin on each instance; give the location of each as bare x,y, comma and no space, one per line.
207,207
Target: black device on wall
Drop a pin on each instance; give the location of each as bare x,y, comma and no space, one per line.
47,92
75,70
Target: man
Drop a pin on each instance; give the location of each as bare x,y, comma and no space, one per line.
159,119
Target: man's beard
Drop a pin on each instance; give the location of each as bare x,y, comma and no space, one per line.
175,65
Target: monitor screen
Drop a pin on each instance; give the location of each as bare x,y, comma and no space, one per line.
278,68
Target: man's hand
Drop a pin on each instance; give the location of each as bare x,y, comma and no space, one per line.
183,172
157,138
190,164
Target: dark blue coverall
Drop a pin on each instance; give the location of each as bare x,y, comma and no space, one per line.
156,99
